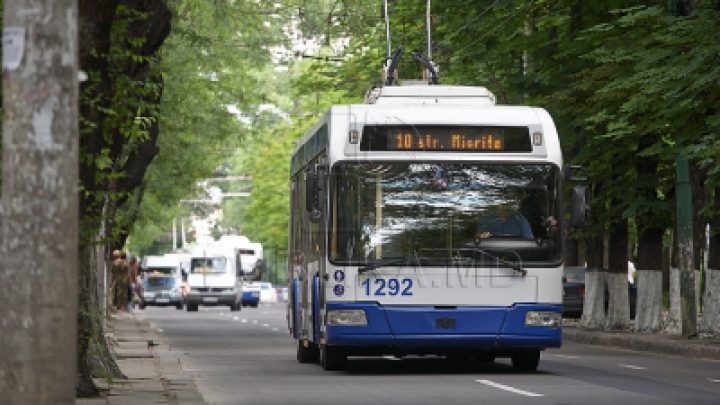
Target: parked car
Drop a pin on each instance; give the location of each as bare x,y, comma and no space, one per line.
161,290
574,292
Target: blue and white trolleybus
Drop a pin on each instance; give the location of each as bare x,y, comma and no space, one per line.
427,222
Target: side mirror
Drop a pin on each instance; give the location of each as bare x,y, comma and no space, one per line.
579,207
574,173
310,194
314,187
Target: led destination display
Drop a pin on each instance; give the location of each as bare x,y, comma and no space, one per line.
446,138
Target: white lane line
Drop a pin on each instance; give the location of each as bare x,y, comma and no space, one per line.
565,356
509,388
632,367
235,318
265,324
254,321
275,329
244,321
713,380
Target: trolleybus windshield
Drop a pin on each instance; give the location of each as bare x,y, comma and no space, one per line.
432,213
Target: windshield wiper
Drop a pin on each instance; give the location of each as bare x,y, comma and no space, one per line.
515,267
389,262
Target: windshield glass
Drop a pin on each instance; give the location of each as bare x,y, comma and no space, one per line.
425,213
160,283
208,265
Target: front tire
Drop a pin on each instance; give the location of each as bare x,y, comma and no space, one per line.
192,307
307,354
333,358
527,360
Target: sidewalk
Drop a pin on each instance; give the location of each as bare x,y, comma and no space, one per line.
660,343
153,371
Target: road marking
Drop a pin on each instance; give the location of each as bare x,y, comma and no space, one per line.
275,329
235,318
244,321
713,380
565,356
632,367
255,321
509,388
390,357
160,330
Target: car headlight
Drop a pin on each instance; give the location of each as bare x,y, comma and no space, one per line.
543,318
148,296
346,317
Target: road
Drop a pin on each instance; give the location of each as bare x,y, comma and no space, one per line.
247,357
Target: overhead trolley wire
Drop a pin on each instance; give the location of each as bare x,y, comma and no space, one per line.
494,29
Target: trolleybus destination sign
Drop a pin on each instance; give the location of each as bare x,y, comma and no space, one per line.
446,138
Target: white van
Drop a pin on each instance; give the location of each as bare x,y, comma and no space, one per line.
161,265
250,254
215,277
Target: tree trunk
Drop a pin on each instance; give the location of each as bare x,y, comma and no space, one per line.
650,229
673,322
649,310
618,317
593,316
700,200
98,138
710,321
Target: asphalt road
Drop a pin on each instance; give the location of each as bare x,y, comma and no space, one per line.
247,357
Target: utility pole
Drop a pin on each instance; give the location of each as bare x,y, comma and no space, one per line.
684,225
39,233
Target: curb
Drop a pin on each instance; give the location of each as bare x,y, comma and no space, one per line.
674,345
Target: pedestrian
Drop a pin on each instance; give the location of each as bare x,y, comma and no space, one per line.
133,277
119,281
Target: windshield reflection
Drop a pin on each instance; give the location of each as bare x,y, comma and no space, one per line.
431,211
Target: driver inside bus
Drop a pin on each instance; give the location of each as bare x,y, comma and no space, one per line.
504,220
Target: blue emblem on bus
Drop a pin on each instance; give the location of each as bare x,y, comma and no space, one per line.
339,290
339,276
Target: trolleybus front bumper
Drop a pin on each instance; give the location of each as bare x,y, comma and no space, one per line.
462,326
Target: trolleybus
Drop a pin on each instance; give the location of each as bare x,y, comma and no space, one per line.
388,254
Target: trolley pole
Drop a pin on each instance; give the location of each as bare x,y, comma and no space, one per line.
39,231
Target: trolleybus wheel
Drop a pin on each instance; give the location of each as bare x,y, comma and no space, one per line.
191,307
526,360
307,354
333,358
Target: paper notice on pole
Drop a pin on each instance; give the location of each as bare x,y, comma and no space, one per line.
13,47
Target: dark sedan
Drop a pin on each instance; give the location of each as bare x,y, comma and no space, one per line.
574,293
161,290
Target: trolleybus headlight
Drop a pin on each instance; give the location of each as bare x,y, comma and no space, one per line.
346,317
543,318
